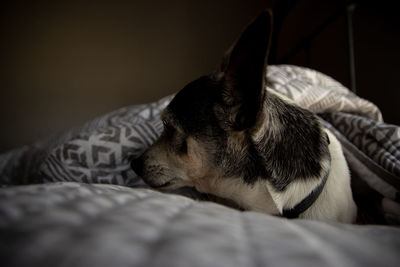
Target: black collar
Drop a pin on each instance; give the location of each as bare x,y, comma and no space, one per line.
303,205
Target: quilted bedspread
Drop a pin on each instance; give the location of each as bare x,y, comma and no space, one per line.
69,224
73,200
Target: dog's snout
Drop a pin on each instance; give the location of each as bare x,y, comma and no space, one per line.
137,166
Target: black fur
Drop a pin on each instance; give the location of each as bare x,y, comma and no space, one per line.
298,150
295,154
192,107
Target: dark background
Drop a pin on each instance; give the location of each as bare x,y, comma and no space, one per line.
65,62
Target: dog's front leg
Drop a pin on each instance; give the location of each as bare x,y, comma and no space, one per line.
254,197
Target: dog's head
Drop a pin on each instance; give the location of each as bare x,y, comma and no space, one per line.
217,131
207,124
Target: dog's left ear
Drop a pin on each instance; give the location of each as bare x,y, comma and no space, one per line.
244,70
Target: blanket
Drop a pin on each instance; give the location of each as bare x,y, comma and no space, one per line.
80,225
74,200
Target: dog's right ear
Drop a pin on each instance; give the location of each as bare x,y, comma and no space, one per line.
243,70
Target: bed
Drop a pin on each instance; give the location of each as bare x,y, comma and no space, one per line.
73,200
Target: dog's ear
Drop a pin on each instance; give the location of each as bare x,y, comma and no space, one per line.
244,69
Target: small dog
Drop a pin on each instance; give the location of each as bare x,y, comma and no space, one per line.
226,135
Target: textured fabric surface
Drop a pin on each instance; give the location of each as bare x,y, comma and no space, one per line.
101,151
70,224
379,141
318,92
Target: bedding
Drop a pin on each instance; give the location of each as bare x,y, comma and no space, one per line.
73,200
71,224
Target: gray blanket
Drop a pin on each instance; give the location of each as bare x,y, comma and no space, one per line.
70,224
72,218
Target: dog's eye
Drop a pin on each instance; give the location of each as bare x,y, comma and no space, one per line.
178,143
183,146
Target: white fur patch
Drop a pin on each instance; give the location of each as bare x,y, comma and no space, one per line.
335,203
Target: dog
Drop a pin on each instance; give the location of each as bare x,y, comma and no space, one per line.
226,135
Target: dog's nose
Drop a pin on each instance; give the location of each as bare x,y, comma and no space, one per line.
137,166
